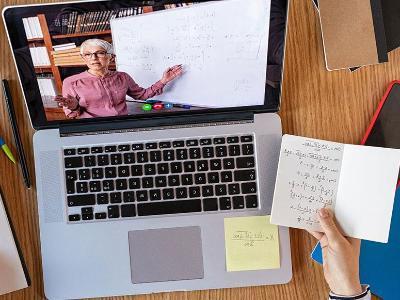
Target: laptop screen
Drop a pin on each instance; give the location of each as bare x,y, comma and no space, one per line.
82,61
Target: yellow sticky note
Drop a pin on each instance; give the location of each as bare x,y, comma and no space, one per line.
251,243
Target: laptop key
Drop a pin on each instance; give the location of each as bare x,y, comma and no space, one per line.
82,151
137,147
207,191
102,198
219,141
189,166
73,162
245,162
70,186
147,182
178,144
160,181
134,183
221,151
121,184
163,168
113,211
181,193
97,173
192,143
210,204
234,150
233,189
128,196
128,210
208,152
232,139
226,176
194,153
115,197
84,174
81,200
142,157
74,218
90,161
168,194
116,159
151,146
150,169
155,195
168,155
87,217
187,179
87,210
109,149
205,142
200,178
202,165
82,187
100,215
229,163
124,148
142,196
169,207
251,201
96,150
108,185
173,180
245,175
71,175
176,167
194,192
111,172
215,164
103,160
164,145
220,190
225,203
95,186
246,139
129,158
213,177
249,188
136,170
155,156
181,154
238,202
69,152
123,171
247,149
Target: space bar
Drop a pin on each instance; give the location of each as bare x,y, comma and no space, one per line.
169,207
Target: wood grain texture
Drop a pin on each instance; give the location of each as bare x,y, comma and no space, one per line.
329,105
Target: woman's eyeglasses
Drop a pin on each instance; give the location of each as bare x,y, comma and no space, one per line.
99,54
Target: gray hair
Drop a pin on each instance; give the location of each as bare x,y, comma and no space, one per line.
98,42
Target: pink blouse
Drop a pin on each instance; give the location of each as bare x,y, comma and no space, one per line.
104,96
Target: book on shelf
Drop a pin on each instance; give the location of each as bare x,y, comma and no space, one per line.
47,88
32,28
40,57
64,47
67,57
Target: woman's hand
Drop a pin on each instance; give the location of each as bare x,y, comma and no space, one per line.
69,102
171,74
340,257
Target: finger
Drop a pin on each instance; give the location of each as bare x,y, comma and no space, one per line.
317,235
328,225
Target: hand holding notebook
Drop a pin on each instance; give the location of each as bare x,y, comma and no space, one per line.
356,182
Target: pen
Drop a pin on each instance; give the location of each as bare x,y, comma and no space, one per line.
17,138
7,150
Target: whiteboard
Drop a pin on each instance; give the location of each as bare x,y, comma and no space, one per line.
222,45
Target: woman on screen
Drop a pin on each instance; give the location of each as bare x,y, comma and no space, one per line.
99,92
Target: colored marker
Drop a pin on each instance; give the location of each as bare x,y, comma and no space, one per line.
7,150
147,107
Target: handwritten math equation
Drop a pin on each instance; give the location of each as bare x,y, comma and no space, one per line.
250,238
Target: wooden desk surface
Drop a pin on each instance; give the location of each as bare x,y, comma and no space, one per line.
329,105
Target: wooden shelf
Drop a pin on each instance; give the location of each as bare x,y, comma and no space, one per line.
74,35
43,69
35,40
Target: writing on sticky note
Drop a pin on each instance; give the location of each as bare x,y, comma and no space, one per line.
251,243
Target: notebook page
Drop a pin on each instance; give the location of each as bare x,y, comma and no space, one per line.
307,180
12,276
366,191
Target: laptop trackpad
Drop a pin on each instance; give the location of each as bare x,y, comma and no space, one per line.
166,254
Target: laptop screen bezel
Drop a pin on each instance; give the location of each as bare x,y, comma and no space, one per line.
37,113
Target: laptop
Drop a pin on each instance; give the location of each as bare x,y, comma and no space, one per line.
134,177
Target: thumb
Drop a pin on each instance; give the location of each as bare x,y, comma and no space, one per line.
328,226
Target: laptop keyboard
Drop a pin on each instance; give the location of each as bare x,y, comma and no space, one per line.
122,181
